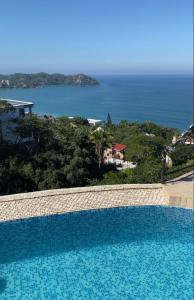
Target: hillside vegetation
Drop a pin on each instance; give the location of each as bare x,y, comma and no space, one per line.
64,155
19,80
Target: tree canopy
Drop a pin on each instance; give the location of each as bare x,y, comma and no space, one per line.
68,152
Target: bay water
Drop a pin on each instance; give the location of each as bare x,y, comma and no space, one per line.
165,100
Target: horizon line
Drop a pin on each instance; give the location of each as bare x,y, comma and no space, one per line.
99,73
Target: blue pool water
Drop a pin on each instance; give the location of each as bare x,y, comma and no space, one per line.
165,100
121,253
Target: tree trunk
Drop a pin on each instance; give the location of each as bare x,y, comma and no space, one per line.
99,154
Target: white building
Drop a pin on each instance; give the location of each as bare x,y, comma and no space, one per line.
4,83
94,122
18,109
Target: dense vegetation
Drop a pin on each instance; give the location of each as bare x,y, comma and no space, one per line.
43,79
145,143
66,153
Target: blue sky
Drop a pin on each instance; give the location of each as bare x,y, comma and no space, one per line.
96,37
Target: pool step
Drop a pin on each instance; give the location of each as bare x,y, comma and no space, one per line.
181,201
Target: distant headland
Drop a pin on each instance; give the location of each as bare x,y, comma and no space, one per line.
19,80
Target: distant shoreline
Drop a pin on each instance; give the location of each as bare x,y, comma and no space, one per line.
34,80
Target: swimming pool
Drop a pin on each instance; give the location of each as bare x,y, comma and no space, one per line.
118,253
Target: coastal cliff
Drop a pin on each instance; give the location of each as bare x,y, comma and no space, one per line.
19,80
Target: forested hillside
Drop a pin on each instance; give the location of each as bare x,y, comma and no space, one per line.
63,154
19,80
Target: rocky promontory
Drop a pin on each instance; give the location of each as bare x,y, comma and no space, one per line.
19,80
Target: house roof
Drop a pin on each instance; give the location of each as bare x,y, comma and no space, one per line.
94,121
119,147
17,103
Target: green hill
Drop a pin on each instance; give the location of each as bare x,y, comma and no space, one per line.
19,80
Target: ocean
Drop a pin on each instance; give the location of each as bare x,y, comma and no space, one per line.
165,100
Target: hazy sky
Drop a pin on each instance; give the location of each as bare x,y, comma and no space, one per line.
96,37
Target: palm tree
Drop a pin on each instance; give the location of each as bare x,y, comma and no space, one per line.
101,139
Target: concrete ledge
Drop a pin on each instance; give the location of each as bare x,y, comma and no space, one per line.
48,202
179,201
180,190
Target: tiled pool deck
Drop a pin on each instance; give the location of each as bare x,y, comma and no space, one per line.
75,199
50,202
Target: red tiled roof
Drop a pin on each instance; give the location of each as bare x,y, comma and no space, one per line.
118,147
